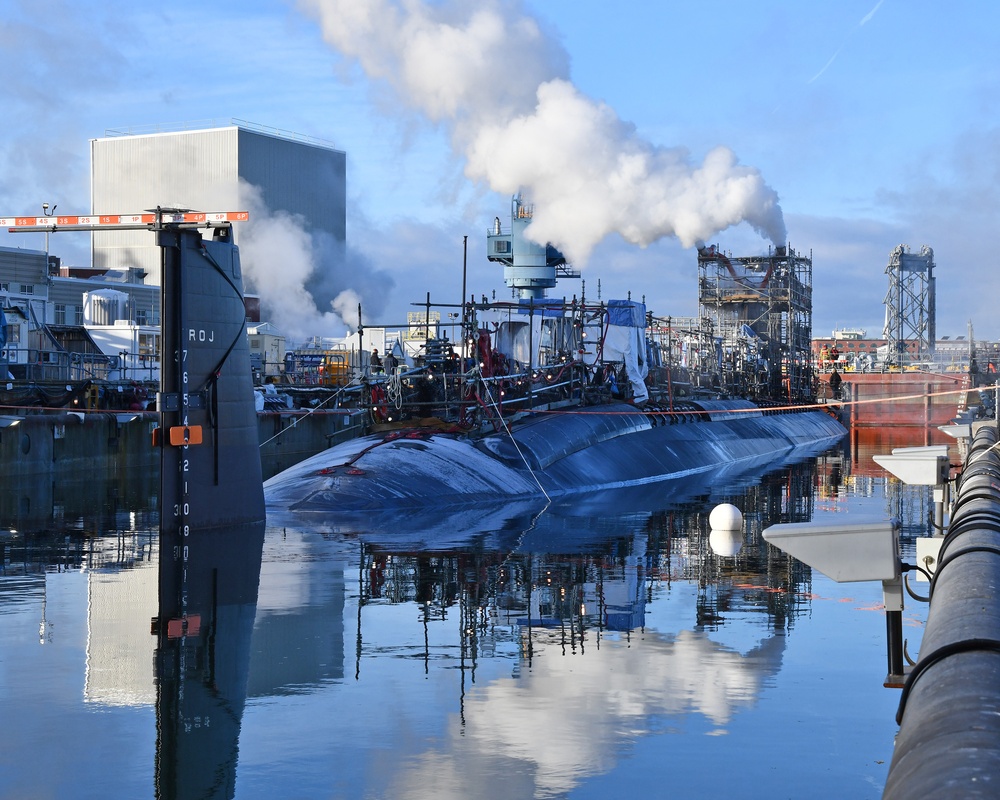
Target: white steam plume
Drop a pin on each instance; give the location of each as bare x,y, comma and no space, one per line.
286,265
490,73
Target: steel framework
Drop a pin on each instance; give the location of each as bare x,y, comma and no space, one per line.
910,306
761,310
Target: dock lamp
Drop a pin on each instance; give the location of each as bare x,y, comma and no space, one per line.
865,551
957,430
869,551
923,466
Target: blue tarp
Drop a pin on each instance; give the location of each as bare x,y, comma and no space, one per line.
627,313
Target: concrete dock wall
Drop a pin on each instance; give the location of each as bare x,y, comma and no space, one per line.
37,446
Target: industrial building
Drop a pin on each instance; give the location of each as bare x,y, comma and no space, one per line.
760,307
76,323
62,324
202,169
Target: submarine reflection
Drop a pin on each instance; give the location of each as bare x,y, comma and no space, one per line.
534,615
529,643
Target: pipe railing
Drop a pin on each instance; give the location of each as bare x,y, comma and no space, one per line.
949,713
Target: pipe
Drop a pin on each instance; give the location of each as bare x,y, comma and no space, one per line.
949,713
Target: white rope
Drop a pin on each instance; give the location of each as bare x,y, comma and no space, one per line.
310,411
514,442
394,389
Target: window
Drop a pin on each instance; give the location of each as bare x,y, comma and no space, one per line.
77,315
60,314
13,334
149,344
141,317
27,288
255,343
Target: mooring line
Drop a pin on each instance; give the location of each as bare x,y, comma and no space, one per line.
514,442
309,412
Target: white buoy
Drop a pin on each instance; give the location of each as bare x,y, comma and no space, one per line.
726,535
725,517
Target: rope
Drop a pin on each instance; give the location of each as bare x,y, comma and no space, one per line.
309,412
514,442
946,651
771,409
394,389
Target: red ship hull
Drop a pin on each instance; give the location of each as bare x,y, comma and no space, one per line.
877,399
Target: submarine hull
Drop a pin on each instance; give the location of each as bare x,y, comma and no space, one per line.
547,455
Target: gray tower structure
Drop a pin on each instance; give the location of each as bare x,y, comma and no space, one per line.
910,306
202,170
529,268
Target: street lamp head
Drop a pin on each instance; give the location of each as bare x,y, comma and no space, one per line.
45,206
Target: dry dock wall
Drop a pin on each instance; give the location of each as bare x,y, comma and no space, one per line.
45,445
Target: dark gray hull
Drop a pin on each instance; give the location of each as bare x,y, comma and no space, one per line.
550,455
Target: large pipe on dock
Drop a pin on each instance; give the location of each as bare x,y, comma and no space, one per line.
949,713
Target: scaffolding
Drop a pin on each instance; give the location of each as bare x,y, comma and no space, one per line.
910,307
760,308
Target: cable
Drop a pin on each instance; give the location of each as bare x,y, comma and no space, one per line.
296,421
514,442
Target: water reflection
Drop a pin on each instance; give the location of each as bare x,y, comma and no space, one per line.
543,610
105,499
510,651
207,605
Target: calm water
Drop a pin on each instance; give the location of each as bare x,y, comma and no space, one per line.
609,649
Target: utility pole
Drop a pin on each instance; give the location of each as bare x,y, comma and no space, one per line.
45,210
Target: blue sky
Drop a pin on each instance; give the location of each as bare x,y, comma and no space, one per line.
872,123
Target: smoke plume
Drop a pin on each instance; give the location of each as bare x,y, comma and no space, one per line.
290,268
500,85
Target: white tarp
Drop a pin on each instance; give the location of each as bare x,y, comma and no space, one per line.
626,340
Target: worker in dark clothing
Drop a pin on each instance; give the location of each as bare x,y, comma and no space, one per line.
375,361
391,362
835,381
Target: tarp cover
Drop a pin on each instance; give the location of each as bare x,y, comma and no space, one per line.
626,339
627,313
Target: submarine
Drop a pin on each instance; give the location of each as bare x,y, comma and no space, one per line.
545,397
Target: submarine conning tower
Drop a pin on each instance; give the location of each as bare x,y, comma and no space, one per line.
529,268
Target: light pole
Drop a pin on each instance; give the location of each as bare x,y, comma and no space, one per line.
45,210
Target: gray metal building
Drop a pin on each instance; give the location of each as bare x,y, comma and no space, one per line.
201,170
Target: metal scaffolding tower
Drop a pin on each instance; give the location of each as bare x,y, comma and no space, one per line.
910,306
761,311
